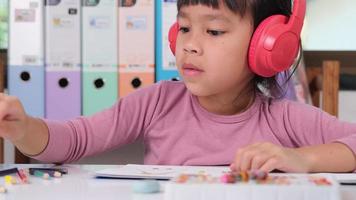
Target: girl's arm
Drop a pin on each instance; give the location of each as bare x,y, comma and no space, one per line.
28,134
35,140
121,124
333,157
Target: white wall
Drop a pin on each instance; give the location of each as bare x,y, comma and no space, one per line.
330,25
347,106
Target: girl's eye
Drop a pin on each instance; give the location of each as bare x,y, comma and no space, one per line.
183,29
215,32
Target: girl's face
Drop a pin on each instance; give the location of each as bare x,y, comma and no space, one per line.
211,51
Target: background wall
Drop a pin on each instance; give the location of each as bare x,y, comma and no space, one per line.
330,25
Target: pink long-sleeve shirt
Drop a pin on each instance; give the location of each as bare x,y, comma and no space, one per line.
176,130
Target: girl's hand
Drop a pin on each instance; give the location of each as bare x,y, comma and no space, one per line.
30,135
13,119
267,157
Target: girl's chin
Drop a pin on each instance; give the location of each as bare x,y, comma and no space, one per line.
197,90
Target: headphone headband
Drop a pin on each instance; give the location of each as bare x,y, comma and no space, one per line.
297,18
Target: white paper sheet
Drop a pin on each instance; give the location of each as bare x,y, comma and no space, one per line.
163,172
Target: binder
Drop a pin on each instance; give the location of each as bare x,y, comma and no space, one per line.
166,14
100,84
62,59
26,62
136,45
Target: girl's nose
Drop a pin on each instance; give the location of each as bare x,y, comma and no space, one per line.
192,50
192,46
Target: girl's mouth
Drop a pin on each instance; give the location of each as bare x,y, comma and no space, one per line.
191,70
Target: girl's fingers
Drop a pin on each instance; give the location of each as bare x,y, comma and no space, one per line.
259,160
255,156
3,110
269,165
249,155
236,164
232,167
246,158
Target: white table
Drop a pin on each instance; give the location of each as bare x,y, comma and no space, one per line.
80,184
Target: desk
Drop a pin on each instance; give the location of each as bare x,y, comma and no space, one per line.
80,184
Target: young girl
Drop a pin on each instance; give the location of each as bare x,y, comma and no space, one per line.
218,115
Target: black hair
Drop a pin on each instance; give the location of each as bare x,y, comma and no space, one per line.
260,10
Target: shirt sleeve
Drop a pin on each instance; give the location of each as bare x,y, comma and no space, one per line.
311,126
121,124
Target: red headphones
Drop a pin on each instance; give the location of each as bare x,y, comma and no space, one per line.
274,44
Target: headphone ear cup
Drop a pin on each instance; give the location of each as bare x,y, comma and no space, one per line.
273,47
172,37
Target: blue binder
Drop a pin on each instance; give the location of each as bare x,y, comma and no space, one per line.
166,12
26,63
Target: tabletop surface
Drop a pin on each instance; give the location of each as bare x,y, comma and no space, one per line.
80,183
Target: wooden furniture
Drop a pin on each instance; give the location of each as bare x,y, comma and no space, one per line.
324,81
2,82
347,59
20,158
